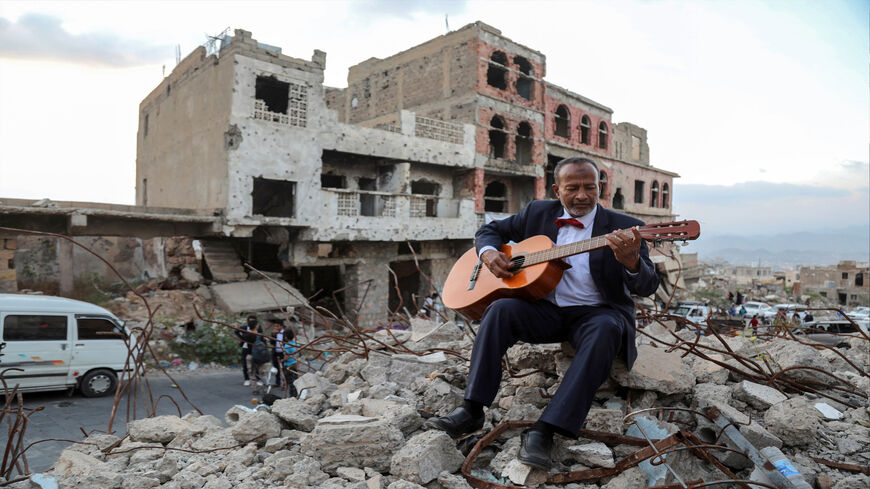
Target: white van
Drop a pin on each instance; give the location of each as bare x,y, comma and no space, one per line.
52,343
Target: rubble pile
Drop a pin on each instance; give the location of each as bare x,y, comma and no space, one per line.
358,423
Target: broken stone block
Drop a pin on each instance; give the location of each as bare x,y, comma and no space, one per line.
595,454
72,463
139,482
537,357
405,369
452,481
794,421
353,441
231,417
607,420
312,384
219,483
160,429
508,452
656,370
400,414
216,439
633,478
789,354
295,412
520,473
708,394
425,456
257,427
707,371
403,484
440,397
274,444
523,412
757,395
353,474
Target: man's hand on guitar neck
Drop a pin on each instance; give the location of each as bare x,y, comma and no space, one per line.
626,247
497,262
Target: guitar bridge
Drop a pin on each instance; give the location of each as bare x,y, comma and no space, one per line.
475,272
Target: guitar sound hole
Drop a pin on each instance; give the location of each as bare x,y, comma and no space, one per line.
517,263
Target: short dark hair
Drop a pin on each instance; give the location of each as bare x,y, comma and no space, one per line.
574,160
252,316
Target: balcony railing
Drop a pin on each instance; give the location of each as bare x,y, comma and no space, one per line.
367,203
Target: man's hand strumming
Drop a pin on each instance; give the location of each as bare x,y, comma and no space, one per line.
497,262
626,247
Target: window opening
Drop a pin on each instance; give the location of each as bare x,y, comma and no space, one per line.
34,328
602,135
524,83
635,147
495,197
585,129
602,183
552,160
328,180
367,202
273,198
618,199
422,206
98,329
497,138
273,92
845,275
665,195
654,194
524,143
859,279
405,248
496,74
563,120
638,191
145,127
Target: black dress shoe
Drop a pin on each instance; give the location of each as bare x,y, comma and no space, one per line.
535,448
456,424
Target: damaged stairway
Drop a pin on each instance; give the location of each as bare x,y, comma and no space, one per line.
223,261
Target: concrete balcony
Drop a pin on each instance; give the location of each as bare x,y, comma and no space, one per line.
379,216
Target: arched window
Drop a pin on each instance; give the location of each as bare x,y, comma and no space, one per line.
563,121
496,74
665,195
524,143
859,279
602,135
602,184
497,137
585,129
618,199
524,82
654,194
495,197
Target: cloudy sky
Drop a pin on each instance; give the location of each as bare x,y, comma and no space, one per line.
761,107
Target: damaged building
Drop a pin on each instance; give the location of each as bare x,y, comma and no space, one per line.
371,192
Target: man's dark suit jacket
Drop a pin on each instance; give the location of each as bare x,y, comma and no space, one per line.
611,278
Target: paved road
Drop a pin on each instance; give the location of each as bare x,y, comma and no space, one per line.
213,392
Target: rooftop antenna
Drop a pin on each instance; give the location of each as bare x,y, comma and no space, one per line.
446,23
213,44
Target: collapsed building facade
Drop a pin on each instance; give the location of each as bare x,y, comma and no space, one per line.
373,190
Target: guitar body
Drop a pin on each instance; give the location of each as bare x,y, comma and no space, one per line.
531,283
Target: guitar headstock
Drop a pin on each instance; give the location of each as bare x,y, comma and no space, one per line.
671,231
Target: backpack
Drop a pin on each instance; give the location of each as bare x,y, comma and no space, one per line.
260,352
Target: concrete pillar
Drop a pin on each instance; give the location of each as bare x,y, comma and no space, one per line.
65,267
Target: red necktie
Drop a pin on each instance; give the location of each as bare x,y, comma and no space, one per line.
569,222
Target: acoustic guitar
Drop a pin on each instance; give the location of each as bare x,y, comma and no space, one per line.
538,267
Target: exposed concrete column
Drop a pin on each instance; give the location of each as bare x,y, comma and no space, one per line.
408,121
65,267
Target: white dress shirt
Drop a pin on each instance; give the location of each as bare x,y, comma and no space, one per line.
576,287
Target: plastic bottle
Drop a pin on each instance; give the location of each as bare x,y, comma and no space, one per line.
785,467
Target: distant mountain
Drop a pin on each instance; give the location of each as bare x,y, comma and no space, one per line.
821,247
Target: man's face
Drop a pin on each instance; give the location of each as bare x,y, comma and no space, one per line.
577,188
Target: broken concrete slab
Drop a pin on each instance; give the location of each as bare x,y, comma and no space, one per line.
160,429
656,370
257,295
759,396
353,441
794,421
425,456
595,454
524,475
256,427
295,412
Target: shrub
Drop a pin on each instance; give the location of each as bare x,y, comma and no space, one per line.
209,343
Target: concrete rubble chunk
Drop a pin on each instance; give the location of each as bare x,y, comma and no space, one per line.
311,384
452,481
593,455
160,429
656,370
403,484
707,371
425,456
787,354
76,463
353,441
258,426
353,474
633,478
759,396
524,475
295,412
794,421
537,357
400,414
607,420
440,397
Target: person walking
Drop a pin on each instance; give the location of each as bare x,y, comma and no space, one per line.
277,343
248,337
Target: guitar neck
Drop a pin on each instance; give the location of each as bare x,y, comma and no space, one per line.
558,252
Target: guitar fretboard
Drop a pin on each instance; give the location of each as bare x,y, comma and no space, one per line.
569,249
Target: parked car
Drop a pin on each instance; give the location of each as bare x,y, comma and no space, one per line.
753,308
831,332
859,313
770,314
53,343
695,312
